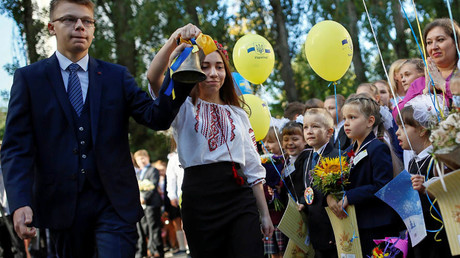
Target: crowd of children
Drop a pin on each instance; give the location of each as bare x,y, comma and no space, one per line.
373,140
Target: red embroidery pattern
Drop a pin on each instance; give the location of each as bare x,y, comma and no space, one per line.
216,124
197,117
253,137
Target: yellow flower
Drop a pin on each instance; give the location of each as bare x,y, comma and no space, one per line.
328,166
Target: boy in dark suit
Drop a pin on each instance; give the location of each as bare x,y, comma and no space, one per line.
336,112
318,129
152,202
65,155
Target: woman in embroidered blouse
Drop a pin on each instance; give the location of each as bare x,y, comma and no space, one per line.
216,147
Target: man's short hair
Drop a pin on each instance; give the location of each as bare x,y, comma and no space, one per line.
141,153
292,109
55,3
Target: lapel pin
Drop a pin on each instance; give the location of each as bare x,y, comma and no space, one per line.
99,73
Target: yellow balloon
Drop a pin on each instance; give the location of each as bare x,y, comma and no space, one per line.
254,58
259,115
329,50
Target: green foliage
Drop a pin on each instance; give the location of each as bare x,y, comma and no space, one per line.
131,32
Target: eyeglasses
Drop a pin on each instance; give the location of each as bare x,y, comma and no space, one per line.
71,21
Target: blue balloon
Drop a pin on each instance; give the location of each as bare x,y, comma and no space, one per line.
241,83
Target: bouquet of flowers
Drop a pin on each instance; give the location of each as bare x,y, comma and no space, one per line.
446,140
273,164
329,177
390,247
145,185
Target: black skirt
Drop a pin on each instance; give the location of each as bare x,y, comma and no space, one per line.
220,217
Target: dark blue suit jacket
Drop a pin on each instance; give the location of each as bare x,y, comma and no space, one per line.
153,197
367,177
39,147
321,233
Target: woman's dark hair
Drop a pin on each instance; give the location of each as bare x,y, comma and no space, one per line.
446,25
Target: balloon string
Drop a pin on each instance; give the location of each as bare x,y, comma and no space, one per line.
432,207
284,158
419,32
263,145
389,81
453,27
337,129
432,84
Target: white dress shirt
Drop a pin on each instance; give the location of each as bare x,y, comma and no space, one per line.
64,62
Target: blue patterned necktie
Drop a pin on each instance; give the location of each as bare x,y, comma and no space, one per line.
314,160
74,89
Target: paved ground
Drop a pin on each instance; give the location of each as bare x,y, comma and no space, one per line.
181,255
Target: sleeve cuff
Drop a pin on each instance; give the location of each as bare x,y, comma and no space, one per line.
257,181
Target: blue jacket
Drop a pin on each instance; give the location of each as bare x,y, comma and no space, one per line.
39,157
368,176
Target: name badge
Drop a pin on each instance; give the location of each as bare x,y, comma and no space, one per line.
359,157
289,169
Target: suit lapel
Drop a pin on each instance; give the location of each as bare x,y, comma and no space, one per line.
53,71
95,89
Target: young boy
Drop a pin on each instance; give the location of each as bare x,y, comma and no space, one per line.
339,132
318,129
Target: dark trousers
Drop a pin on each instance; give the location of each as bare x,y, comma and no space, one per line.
429,248
330,253
143,232
220,217
97,231
153,219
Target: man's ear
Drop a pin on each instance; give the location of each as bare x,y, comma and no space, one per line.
51,28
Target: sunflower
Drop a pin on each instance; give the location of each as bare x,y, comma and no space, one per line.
330,175
328,166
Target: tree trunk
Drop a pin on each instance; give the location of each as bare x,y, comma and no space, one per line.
399,44
358,63
282,49
125,44
190,8
30,31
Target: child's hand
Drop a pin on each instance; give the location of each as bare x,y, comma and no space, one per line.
417,183
300,207
335,207
270,191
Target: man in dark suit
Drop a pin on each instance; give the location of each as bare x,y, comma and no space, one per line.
65,155
152,202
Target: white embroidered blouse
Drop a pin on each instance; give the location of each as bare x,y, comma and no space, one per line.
203,132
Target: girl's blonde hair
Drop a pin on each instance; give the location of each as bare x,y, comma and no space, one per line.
367,106
394,68
418,63
271,135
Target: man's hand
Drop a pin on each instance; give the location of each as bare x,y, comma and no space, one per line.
21,218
